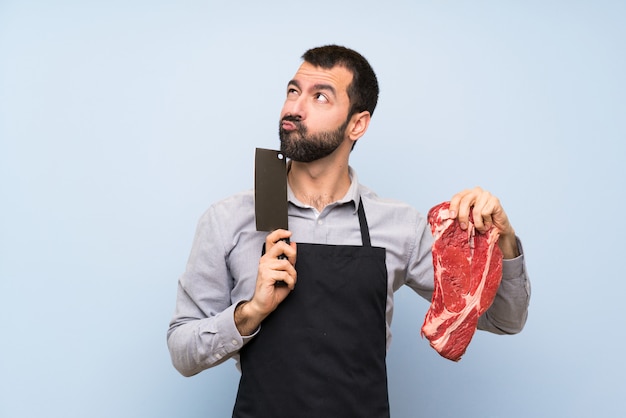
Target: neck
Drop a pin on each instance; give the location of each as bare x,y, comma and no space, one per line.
319,183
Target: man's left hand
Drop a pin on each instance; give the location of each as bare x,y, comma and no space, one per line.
487,212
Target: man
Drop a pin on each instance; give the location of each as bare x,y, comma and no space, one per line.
311,329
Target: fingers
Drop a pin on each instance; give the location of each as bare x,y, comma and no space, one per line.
276,277
484,207
461,204
273,271
277,265
277,244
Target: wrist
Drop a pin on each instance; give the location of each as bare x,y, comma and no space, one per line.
508,245
247,318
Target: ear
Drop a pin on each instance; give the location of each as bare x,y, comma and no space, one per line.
359,122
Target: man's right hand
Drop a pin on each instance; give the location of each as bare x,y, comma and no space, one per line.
276,278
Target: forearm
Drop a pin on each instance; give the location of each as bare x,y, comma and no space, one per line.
199,344
509,246
247,319
509,310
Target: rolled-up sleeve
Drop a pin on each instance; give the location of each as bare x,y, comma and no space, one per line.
509,310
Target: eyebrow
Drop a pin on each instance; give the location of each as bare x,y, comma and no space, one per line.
319,86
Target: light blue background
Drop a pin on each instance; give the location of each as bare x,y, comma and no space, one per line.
121,121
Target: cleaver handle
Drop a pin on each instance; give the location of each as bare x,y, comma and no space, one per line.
283,256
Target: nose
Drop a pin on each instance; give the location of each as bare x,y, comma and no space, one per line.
295,107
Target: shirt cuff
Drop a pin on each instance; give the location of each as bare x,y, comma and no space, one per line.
229,341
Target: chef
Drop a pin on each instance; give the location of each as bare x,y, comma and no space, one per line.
306,311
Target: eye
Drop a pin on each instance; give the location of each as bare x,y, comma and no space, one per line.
321,98
292,91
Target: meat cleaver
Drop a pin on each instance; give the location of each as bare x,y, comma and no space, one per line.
270,190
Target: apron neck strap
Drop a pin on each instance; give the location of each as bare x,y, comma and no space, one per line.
365,232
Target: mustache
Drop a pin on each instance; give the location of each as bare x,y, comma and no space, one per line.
291,118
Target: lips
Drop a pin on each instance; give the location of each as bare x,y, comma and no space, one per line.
288,126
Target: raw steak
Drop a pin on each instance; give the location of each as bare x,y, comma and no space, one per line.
468,270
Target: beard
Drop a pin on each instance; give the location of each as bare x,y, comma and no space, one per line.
299,145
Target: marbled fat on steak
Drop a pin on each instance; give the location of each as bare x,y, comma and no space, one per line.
468,270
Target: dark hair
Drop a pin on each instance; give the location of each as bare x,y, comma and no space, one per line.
363,91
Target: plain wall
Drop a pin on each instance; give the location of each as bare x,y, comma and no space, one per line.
122,121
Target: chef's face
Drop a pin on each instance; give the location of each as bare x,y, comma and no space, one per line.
314,117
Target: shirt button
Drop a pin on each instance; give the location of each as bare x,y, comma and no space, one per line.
235,342
218,356
320,222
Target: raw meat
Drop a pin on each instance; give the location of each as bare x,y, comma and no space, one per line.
468,270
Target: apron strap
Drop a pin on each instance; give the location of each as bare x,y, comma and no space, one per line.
365,232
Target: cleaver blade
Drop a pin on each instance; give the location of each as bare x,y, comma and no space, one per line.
270,190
